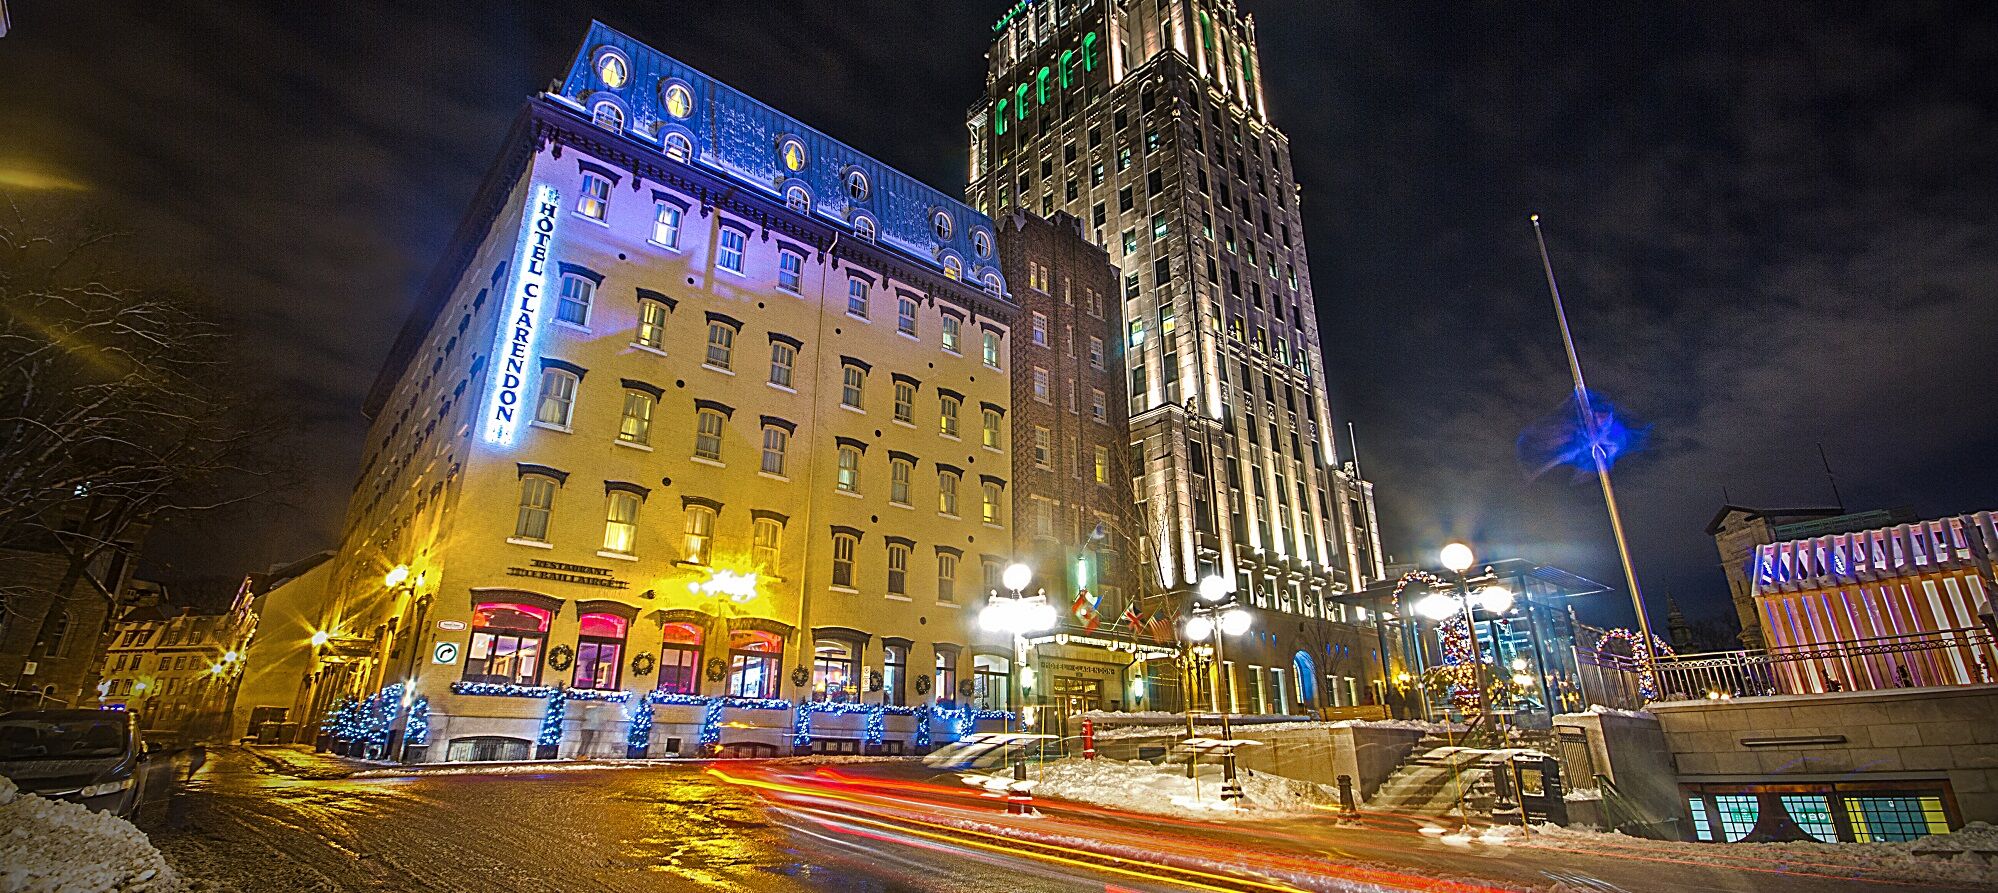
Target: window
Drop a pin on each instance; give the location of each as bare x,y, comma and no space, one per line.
621,525
856,297
953,329
953,268
898,569
1098,407
905,316
947,416
797,199
946,675
732,241
537,501
900,471
1040,330
651,324
790,270
594,199
666,226
1103,465
989,511
1043,447
947,492
1095,352
981,243
1041,385
776,443
506,645
783,357
599,650
698,537
835,671
905,402
755,664
992,348
680,659
894,674
721,345
766,543
1124,199
991,677
848,480
863,226
852,381
856,186
946,577
636,424
57,636
573,306
678,147
612,70
679,100
708,434
940,223
558,397
842,558
993,422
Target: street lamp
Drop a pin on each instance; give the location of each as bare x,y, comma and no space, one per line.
1017,615
1458,557
1214,610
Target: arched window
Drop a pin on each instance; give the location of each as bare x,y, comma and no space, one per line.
612,70
678,99
835,671
797,199
608,116
981,242
1305,677
1067,66
792,153
953,268
599,650
755,663
678,147
999,118
698,537
856,185
680,659
1041,86
863,226
507,641
940,222
1089,53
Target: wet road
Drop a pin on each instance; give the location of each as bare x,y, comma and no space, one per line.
241,827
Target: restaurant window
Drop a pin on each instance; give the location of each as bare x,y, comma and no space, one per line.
680,659
599,650
755,664
835,671
991,680
894,674
946,675
506,644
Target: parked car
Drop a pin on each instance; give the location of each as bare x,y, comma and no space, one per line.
93,757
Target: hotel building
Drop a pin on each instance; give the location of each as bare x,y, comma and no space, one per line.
1147,122
700,402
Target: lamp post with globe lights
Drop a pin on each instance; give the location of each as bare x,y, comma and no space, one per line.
1216,615
1494,599
1017,615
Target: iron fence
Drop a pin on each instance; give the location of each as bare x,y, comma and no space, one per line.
1940,658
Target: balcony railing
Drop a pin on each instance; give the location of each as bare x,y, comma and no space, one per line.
1941,658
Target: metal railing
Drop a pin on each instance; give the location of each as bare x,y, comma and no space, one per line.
1940,658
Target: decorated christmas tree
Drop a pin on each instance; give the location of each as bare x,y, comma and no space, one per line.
639,736
550,738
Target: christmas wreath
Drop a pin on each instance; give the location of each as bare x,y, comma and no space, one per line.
922,684
561,657
800,676
643,663
717,669
965,689
874,680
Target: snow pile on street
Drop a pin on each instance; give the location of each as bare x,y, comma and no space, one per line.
1209,730
1601,710
1966,856
52,846
1165,790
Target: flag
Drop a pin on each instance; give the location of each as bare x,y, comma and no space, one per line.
1160,625
1084,610
1130,616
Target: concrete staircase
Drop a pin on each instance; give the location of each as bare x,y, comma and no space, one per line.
1440,777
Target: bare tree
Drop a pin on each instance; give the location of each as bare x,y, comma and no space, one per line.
118,403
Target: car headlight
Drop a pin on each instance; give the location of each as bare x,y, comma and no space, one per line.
105,787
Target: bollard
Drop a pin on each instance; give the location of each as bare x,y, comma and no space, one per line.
1088,740
1347,807
1019,797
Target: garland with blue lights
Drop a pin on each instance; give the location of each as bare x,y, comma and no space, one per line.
639,737
511,690
710,740
551,720
417,730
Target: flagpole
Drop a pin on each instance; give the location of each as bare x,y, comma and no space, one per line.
1596,455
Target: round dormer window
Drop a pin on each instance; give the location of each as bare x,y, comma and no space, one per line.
792,153
613,70
678,99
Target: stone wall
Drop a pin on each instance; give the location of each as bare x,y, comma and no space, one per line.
1630,750
1902,734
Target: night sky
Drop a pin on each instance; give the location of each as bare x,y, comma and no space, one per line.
1773,222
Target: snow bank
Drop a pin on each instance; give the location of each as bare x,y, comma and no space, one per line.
52,846
1966,856
1213,730
1600,710
1165,790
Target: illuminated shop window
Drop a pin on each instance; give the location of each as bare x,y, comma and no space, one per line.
599,651
755,664
680,659
506,644
835,671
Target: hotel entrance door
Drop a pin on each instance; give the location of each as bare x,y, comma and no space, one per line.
1074,695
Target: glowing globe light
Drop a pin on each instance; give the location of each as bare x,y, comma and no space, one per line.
1016,576
1437,606
1457,557
1496,599
321,637
396,575
1214,587
1199,628
1235,622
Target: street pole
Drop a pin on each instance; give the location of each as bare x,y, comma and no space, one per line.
1477,652
1230,789
1596,455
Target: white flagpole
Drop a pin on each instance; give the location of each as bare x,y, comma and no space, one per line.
1596,455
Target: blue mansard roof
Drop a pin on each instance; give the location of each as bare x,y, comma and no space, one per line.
738,136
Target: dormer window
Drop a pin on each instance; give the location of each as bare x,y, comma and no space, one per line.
678,147
797,199
981,242
608,116
678,99
940,223
863,226
856,186
953,268
792,153
612,70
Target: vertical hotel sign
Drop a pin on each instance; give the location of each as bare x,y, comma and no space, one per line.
513,345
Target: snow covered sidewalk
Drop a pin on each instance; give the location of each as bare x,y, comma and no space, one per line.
1962,857
1165,790
52,846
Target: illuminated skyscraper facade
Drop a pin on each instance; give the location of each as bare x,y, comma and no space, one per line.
1148,121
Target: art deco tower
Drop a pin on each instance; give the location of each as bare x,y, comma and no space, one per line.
1147,120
